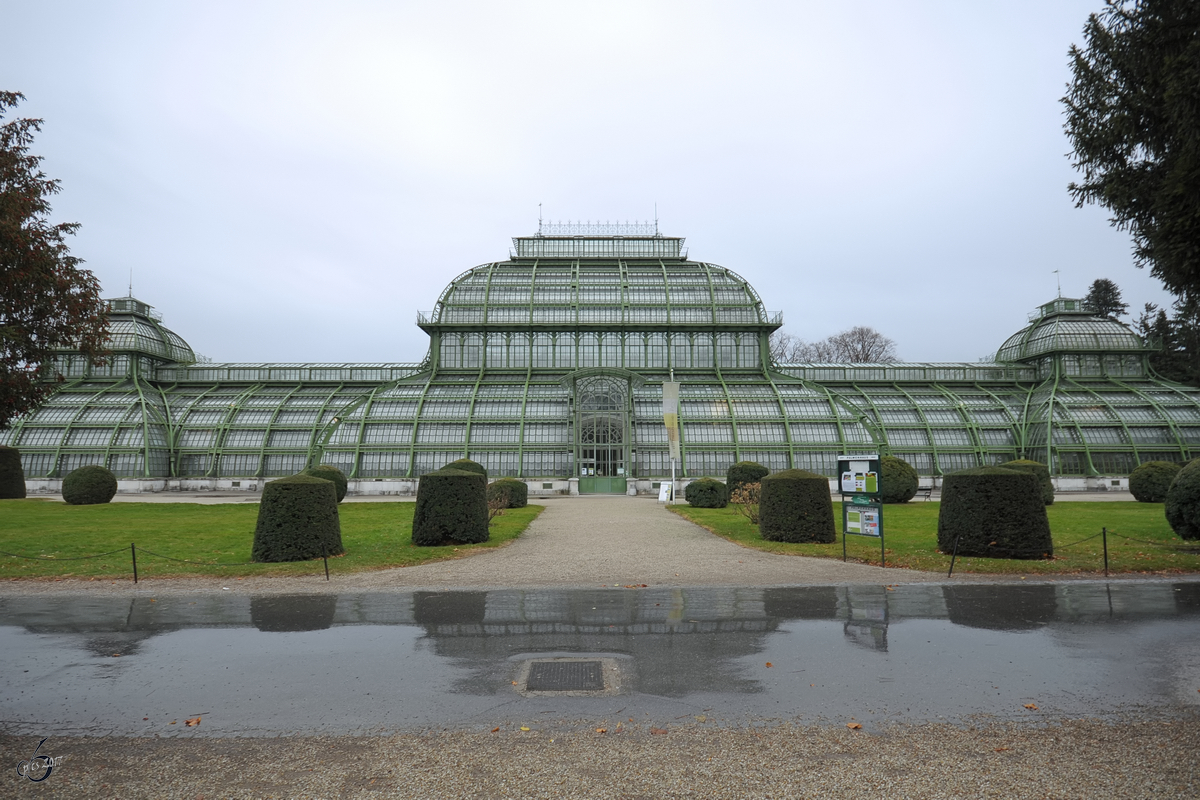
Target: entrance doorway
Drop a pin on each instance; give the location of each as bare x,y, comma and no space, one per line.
601,423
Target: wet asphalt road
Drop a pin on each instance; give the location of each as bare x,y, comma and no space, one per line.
372,663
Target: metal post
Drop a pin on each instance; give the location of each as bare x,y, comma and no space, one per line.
133,552
325,558
952,557
1104,533
671,499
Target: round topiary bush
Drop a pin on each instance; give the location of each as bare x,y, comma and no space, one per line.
451,507
1040,470
794,506
743,472
12,475
706,493
88,486
899,481
514,492
467,465
994,512
1150,482
330,473
297,520
1183,502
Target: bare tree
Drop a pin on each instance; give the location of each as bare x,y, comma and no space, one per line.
859,345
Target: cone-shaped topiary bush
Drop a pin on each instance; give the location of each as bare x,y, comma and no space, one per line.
515,492
899,482
467,465
330,473
89,486
794,506
995,513
1151,480
706,493
743,472
1183,502
297,520
12,475
451,507
1040,470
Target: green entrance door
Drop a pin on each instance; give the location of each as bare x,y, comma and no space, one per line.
601,426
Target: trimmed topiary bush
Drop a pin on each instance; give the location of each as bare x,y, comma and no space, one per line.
330,473
995,513
1040,470
467,465
297,520
899,481
12,475
1150,482
706,493
794,506
743,472
1183,502
89,486
451,507
514,492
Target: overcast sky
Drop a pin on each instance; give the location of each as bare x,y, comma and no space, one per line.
294,181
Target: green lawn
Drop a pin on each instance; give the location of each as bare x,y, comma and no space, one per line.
375,535
910,534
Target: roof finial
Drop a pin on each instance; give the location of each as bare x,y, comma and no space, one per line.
1058,278
656,220
131,281
539,218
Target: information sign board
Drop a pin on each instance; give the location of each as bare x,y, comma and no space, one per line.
859,474
664,492
862,518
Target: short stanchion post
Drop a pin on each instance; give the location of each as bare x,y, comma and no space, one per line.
133,553
1104,533
325,558
843,546
953,556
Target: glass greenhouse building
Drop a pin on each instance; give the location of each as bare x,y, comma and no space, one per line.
549,366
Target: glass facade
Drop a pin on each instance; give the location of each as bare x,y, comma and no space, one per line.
551,365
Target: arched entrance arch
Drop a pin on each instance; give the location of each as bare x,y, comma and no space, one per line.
602,423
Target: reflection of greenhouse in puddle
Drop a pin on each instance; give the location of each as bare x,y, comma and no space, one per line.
678,640
549,366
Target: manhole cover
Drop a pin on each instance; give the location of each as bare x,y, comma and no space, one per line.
565,676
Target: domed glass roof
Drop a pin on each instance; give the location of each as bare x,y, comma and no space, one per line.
1064,326
135,326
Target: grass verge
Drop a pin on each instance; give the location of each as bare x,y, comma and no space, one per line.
910,538
376,536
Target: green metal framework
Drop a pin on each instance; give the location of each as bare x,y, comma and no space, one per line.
551,364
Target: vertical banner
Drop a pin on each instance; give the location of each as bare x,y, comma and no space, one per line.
671,416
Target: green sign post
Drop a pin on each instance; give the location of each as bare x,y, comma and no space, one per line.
860,480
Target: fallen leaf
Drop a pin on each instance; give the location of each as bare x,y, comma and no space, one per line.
495,730
145,718
853,725
701,718
116,655
524,728
631,719
172,722
1032,706
1002,749
514,683
193,722
769,664
601,730
658,731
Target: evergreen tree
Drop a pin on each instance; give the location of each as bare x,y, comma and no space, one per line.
1104,299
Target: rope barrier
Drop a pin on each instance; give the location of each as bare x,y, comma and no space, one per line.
64,558
1165,545
200,563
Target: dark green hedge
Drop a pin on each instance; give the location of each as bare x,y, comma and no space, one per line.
89,486
795,506
451,507
1040,470
330,473
1151,480
297,520
995,512
743,472
12,475
1183,502
467,465
515,492
899,481
706,493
